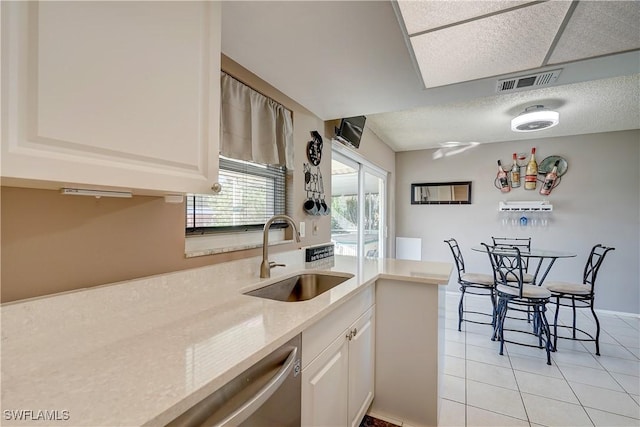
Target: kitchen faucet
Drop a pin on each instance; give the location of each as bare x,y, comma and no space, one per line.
265,267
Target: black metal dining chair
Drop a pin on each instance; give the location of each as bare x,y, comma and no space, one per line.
579,295
472,283
516,295
522,243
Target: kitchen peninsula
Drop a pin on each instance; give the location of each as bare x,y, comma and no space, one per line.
143,351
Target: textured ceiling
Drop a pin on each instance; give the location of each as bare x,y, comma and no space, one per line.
346,58
487,119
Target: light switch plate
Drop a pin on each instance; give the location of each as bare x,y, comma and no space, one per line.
302,228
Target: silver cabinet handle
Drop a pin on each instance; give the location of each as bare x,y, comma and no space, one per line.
355,331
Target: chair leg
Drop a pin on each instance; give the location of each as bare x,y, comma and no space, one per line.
492,295
498,315
537,324
503,315
573,306
460,309
555,325
597,329
546,330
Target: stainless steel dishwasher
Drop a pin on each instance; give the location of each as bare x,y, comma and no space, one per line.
265,395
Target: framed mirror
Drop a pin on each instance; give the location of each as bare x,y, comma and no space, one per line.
441,193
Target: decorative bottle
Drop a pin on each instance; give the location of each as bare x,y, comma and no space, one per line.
514,174
531,177
550,180
503,183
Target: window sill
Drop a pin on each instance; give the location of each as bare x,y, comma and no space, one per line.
196,246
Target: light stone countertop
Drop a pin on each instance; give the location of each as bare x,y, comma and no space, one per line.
141,352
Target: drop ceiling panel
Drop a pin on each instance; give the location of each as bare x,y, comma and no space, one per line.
509,42
599,28
426,15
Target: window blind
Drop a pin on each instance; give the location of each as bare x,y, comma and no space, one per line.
251,194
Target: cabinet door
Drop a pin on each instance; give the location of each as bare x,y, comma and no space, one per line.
104,93
361,366
324,387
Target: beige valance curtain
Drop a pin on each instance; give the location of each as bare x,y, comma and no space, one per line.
254,127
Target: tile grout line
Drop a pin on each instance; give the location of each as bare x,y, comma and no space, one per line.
467,405
609,372
513,372
466,400
465,331
574,392
605,369
597,359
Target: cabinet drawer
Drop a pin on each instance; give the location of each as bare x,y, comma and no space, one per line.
317,337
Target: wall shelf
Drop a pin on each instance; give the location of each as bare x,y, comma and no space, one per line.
525,206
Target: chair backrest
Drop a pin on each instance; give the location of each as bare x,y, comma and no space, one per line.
522,243
508,266
457,256
594,262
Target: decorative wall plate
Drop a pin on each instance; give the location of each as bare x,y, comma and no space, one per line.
314,148
546,165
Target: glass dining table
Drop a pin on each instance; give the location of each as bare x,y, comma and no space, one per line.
545,260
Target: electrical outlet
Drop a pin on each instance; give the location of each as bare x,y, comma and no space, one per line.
302,228
314,228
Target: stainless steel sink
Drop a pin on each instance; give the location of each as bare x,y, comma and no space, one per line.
301,287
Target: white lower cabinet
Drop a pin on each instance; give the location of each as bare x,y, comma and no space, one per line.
325,387
338,383
361,367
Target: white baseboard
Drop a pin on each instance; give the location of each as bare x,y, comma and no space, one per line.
618,313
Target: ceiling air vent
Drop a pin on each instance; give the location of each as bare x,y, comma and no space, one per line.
531,81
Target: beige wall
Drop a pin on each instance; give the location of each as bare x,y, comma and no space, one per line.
52,243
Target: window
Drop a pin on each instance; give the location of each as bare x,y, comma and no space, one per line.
251,194
256,157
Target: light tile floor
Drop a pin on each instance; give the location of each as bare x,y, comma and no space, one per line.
482,388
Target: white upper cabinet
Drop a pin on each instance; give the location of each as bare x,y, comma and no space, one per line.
122,94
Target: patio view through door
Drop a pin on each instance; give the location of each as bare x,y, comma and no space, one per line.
357,207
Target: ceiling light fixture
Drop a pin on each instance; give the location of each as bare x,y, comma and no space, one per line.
535,118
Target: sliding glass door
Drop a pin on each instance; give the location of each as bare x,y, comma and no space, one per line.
357,207
372,211
344,206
